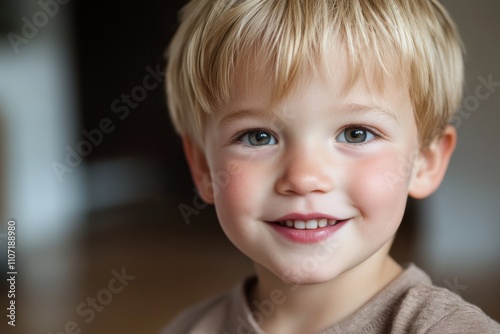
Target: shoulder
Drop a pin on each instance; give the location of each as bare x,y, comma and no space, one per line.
431,309
412,304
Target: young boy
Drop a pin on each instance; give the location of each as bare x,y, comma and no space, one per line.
307,123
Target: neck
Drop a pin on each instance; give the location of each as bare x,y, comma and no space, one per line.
283,307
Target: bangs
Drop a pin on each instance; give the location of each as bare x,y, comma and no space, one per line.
286,39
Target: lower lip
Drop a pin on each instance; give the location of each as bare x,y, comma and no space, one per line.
308,236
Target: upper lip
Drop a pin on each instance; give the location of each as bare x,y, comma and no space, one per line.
305,217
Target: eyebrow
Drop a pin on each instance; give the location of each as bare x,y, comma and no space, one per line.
260,114
241,114
360,108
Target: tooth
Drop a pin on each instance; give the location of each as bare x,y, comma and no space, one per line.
331,222
281,223
289,223
312,224
322,222
299,224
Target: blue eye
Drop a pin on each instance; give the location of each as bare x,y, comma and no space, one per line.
355,135
258,138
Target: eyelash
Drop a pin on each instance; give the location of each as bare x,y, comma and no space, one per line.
236,139
376,135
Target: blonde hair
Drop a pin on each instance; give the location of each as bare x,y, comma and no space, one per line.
215,37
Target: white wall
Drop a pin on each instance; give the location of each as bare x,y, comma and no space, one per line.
38,115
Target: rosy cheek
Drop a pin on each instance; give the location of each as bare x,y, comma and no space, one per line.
378,189
239,189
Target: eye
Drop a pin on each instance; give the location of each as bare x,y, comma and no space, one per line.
355,135
258,138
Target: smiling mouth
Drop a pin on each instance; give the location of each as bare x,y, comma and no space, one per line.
312,224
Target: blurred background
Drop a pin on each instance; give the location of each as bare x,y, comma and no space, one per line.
94,176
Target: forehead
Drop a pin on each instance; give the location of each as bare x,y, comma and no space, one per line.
257,80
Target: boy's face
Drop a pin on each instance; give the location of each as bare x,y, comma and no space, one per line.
323,152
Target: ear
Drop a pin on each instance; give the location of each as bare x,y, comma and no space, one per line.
432,164
200,171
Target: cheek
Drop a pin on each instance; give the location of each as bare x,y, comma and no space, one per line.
238,188
379,188
238,203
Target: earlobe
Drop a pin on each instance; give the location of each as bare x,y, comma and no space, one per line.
432,164
200,171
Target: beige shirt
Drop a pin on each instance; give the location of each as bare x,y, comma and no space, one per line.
409,304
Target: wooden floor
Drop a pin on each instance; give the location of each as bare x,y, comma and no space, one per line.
166,265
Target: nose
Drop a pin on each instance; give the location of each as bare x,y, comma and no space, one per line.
305,171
